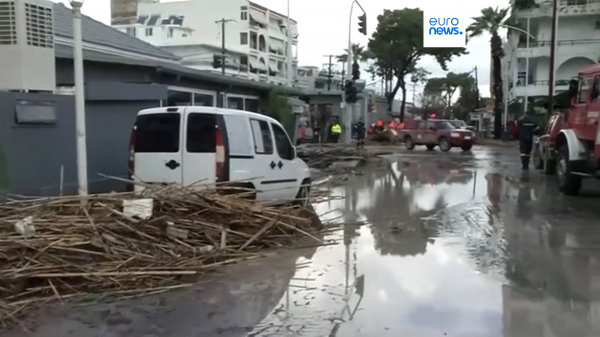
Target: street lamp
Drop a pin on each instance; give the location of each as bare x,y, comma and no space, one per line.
82,180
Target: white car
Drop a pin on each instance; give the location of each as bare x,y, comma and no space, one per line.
205,145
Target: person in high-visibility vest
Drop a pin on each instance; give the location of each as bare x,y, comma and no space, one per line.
336,131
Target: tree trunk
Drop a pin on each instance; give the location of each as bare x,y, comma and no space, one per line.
403,104
497,54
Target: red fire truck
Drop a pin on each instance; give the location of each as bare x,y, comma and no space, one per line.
570,147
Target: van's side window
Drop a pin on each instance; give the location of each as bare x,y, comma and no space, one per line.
282,141
157,133
263,142
201,133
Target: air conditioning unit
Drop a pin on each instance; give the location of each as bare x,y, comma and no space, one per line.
27,45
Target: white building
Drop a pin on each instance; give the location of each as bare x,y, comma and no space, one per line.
255,40
527,63
310,77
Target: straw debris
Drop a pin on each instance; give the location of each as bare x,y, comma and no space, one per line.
55,249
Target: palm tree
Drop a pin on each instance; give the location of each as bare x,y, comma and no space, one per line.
490,21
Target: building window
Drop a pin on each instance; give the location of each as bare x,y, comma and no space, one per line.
251,104
203,100
244,60
244,16
235,103
170,33
148,31
179,98
243,39
253,40
130,31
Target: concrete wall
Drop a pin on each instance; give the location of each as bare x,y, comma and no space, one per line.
34,153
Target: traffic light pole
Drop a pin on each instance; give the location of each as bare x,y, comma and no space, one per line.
348,108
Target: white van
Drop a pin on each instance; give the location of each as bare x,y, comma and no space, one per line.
207,145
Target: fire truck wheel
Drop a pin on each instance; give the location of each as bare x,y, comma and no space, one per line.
444,145
549,167
430,147
568,183
538,161
409,143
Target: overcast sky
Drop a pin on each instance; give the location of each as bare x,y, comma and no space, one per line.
323,28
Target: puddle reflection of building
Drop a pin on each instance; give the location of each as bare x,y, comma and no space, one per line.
554,276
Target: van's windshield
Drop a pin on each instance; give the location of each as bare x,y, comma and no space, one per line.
157,133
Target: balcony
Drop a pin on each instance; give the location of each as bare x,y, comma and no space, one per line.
565,8
542,48
539,88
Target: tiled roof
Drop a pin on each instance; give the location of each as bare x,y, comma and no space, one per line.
100,34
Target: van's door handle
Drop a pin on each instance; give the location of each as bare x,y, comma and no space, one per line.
172,164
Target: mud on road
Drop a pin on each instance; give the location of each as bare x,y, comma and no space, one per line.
434,244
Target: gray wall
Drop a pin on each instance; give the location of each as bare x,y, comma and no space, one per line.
34,154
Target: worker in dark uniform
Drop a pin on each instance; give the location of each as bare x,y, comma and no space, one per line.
527,129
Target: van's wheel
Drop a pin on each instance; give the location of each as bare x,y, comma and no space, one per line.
302,198
538,161
568,183
409,143
444,145
430,147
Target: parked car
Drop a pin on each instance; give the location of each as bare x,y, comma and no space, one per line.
207,145
442,133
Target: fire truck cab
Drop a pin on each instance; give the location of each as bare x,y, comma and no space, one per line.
570,148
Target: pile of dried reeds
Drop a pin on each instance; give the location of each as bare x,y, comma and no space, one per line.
322,156
55,249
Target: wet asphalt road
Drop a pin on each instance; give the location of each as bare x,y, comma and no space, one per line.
457,244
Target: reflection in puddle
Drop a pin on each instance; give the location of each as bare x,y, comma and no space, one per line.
450,248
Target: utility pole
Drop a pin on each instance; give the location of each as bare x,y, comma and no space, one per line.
329,75
223,21
552,57
476,89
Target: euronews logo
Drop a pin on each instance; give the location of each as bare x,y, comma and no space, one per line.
444,26
442,29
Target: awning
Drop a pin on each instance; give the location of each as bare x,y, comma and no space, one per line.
259,17
273,66
256,64
277,45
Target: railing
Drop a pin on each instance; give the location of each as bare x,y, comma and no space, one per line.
537,44
543,83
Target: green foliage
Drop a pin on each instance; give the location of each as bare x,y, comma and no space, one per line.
278,107
446,87
359,54
419,76
397,47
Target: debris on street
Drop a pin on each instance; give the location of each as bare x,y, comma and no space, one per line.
322,156
120,245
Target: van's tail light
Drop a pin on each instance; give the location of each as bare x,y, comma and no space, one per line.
132,139
219,152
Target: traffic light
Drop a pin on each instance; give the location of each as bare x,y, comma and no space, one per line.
362,24
355,71
217,63
351,92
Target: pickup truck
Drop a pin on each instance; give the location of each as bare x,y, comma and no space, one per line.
439,132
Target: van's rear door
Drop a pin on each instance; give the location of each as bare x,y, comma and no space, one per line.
158,146
205,152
